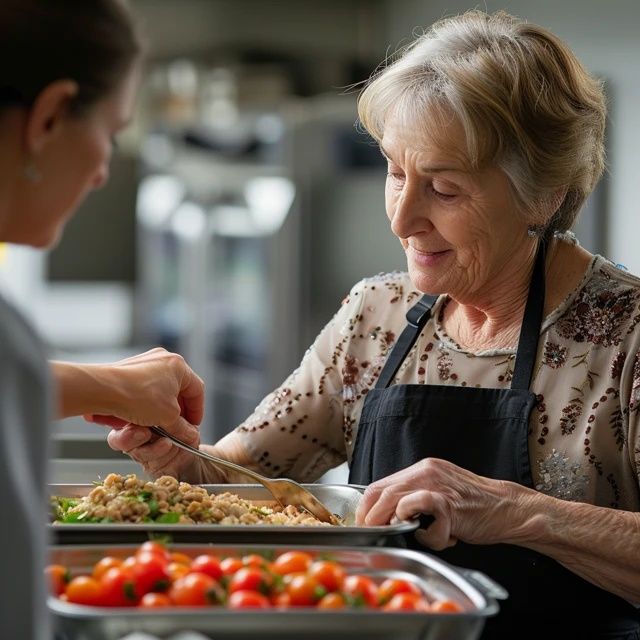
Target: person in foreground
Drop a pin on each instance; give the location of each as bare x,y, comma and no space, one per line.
62,99
496,385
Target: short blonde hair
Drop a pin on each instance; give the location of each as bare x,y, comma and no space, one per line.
527,106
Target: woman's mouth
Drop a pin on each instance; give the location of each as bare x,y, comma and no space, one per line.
428,258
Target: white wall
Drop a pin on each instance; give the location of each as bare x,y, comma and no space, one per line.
606,37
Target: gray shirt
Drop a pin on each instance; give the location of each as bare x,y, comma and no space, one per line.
25,404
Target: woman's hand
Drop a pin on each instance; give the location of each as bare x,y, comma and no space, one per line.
156,387
466,506
159,456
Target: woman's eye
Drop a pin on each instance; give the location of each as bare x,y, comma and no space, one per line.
442,195
395,175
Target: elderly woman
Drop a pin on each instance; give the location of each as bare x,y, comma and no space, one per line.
496,385
62,100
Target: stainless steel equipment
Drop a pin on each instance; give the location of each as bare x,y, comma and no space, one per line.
339,499
475,592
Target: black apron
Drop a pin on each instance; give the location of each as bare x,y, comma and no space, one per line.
485,431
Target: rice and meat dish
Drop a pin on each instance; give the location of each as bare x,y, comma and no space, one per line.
128,499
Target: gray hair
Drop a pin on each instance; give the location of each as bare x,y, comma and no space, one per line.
526,103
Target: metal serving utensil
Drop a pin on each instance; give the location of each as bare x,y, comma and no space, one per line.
285,491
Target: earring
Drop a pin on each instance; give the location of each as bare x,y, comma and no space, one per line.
532,232
32,173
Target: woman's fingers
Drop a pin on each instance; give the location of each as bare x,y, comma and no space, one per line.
438,534
127,438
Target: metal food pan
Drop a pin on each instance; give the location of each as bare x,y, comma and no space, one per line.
342,500
475,592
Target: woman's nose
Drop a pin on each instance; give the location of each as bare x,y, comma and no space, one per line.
409,213
101,177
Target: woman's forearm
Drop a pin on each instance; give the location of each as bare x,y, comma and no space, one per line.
82,388
599,544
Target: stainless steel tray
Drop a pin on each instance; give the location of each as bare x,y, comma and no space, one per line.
475,592
340,499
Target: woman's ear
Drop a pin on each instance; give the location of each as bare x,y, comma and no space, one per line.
48,113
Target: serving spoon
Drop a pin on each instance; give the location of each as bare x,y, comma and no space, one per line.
286,492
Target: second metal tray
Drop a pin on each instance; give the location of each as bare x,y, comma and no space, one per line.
342,500
473,591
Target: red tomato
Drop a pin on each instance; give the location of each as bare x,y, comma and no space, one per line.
329,574
210,565
196,590
245,599
305,591
445,606
360,590
250,579
255,560
150,573
391,586
155,601
291,562
58,577
152,546
118,588
102,566
332,601
230,565
84,590
406,602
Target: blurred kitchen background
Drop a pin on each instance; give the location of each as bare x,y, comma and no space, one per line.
244,203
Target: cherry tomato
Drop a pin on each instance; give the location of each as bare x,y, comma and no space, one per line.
445,606
291,562
329,574
155,601
118,588
102,566
84,590
255,560
332,601
250,579
58,577
210,565
181,558
406,602
245,599
196,590
360,590
391,586
152,546
230,565
150,573
305,591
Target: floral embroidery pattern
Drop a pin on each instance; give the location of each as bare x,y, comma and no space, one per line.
617,364
554,355
600,312
570,415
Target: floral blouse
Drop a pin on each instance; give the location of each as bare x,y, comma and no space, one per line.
584,434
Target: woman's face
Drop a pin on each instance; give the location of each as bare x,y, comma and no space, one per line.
75,163
459,228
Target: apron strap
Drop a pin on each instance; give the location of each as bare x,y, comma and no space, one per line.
417,317
531,323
